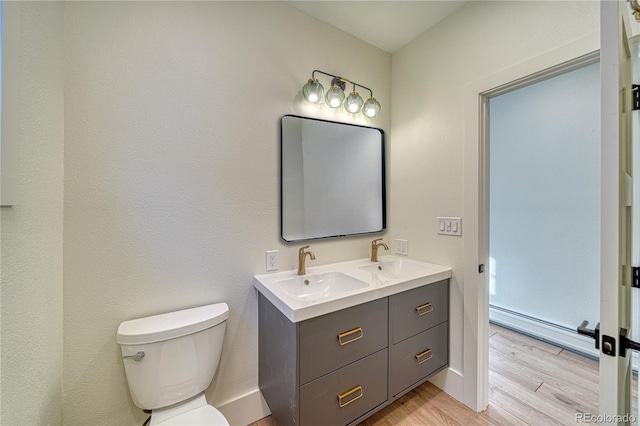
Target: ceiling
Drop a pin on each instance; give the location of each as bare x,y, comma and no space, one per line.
388,25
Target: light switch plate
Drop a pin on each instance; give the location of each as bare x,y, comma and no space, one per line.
449,226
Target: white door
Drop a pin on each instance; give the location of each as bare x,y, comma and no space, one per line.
615,286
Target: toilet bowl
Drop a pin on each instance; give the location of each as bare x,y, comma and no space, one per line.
195,412
170,359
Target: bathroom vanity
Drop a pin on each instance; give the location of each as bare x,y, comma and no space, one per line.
330,357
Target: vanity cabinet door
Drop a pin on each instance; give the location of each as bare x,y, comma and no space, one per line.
419,309
419,356
334,340
346,394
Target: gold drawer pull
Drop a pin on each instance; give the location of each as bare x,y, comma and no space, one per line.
423,354
349,393
424,309
349,333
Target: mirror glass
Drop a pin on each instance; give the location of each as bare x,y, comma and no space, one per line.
332,179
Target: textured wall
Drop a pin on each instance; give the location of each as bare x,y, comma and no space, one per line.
429,79
31,376
171,173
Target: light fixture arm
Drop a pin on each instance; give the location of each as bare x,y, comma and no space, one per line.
341,81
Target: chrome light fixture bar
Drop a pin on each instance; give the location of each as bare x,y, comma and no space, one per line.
335,96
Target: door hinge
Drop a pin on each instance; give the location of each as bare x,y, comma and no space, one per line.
481,268
635,88
635,276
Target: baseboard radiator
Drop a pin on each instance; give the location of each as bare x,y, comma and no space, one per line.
545,331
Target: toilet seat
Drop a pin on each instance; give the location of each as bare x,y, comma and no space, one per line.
202,416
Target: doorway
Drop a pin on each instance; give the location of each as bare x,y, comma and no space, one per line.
534,323
544,185
544,243
476,208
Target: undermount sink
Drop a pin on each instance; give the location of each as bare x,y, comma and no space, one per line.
319,286
397,269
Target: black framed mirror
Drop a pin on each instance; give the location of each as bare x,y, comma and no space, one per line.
332,179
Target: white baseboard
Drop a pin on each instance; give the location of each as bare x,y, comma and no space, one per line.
451,382
245,409
542,330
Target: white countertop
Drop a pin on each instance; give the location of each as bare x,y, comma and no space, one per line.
376,285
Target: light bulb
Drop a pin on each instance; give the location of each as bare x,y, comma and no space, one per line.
371,108
313,90
334,96
353,103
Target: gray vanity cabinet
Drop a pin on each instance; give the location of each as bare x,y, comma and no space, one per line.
419,335
332,341
417,358
417,310
339,368
345,395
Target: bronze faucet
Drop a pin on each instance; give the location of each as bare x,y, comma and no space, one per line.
302,255
374,249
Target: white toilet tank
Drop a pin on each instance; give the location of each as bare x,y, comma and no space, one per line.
181,354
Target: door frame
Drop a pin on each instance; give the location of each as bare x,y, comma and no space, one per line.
615,276
476,200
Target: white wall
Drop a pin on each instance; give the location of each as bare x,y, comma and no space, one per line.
430,77
31,302
545,198
171,173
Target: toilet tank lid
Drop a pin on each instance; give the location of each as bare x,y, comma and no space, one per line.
171,325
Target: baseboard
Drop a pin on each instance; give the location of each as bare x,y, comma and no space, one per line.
245,409
451,382
544,331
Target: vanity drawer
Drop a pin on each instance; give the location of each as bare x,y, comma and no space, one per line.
334,340
345,394
419,309
414,359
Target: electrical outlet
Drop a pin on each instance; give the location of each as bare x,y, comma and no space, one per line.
402,247
272,260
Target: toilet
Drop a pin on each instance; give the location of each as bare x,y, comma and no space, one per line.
170,359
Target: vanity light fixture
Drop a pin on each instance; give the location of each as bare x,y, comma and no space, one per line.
335,96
